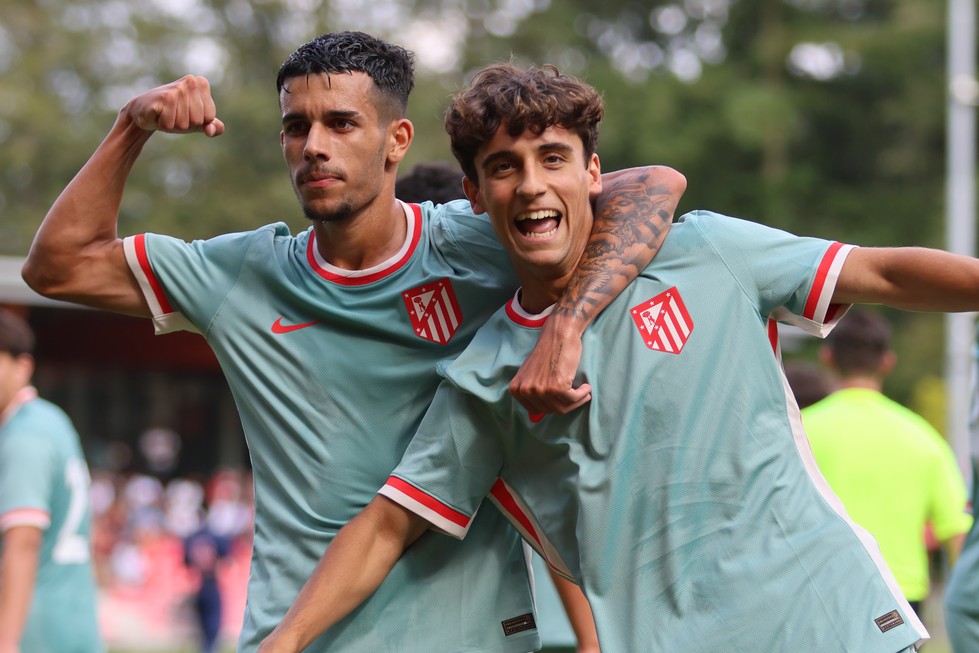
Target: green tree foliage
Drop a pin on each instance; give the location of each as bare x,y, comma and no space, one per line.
823,117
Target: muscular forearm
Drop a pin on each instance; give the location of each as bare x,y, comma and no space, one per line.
354,566
18,571
76,254
909,278
632,217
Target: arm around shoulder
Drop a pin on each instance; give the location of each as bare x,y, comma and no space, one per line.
77,255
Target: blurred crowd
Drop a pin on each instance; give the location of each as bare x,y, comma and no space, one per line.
149,579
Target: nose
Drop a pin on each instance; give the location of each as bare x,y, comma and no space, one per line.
317,143
531,183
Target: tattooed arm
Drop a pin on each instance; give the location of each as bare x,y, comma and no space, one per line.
632,216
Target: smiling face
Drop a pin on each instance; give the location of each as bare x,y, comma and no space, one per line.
537,190
341,148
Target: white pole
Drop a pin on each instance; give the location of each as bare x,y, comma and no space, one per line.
960,212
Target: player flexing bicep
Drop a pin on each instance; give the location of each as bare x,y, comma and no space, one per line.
77,255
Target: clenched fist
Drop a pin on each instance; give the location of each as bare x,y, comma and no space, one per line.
181,107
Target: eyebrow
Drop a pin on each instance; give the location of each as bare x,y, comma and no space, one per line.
506,154
330,115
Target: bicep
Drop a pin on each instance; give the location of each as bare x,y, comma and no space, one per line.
99,277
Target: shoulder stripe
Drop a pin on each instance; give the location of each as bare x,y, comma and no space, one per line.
25,517
139,264
818,302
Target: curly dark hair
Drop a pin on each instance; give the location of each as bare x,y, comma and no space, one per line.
534,98
390,66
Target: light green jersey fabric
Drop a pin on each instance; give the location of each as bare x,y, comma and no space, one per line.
44,482
332,371
962,593
683,497
894,473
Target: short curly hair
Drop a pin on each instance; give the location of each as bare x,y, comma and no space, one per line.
534,98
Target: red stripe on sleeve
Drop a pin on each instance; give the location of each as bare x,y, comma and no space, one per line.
144,263
506,500
817,286
773,334
428,501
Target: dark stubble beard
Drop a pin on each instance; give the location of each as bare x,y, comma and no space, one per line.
342,212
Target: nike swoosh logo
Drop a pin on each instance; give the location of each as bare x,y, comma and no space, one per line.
280,328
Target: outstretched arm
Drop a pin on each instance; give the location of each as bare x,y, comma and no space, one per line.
632,217
18,573
355,564
909,278
77,255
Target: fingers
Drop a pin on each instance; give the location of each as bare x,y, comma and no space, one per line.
559,399
181,107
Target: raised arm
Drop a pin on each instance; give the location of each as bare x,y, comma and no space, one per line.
355,564
909,278
632,217
77,255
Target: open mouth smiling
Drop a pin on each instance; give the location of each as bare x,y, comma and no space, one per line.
538,224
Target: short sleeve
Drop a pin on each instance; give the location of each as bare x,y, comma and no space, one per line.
791,278
26,472
450,465
185,283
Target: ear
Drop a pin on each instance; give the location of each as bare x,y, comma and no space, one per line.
25,368
402,132
282,139
887,363
472,193
826,358
594,177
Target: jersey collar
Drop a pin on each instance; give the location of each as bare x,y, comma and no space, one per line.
21,397
518,315
413,219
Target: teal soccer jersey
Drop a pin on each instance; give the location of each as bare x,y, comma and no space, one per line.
961,604
44,483
684,497
332,371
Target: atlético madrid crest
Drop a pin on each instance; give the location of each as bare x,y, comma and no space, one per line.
663,321
434,311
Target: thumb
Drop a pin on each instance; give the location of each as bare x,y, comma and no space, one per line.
214,128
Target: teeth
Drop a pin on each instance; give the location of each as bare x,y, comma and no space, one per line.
543,234
537,215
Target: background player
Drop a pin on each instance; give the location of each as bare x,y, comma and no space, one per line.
330,362
893,471
47,587
693,526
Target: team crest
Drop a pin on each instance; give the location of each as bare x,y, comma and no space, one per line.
663,321
434,311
